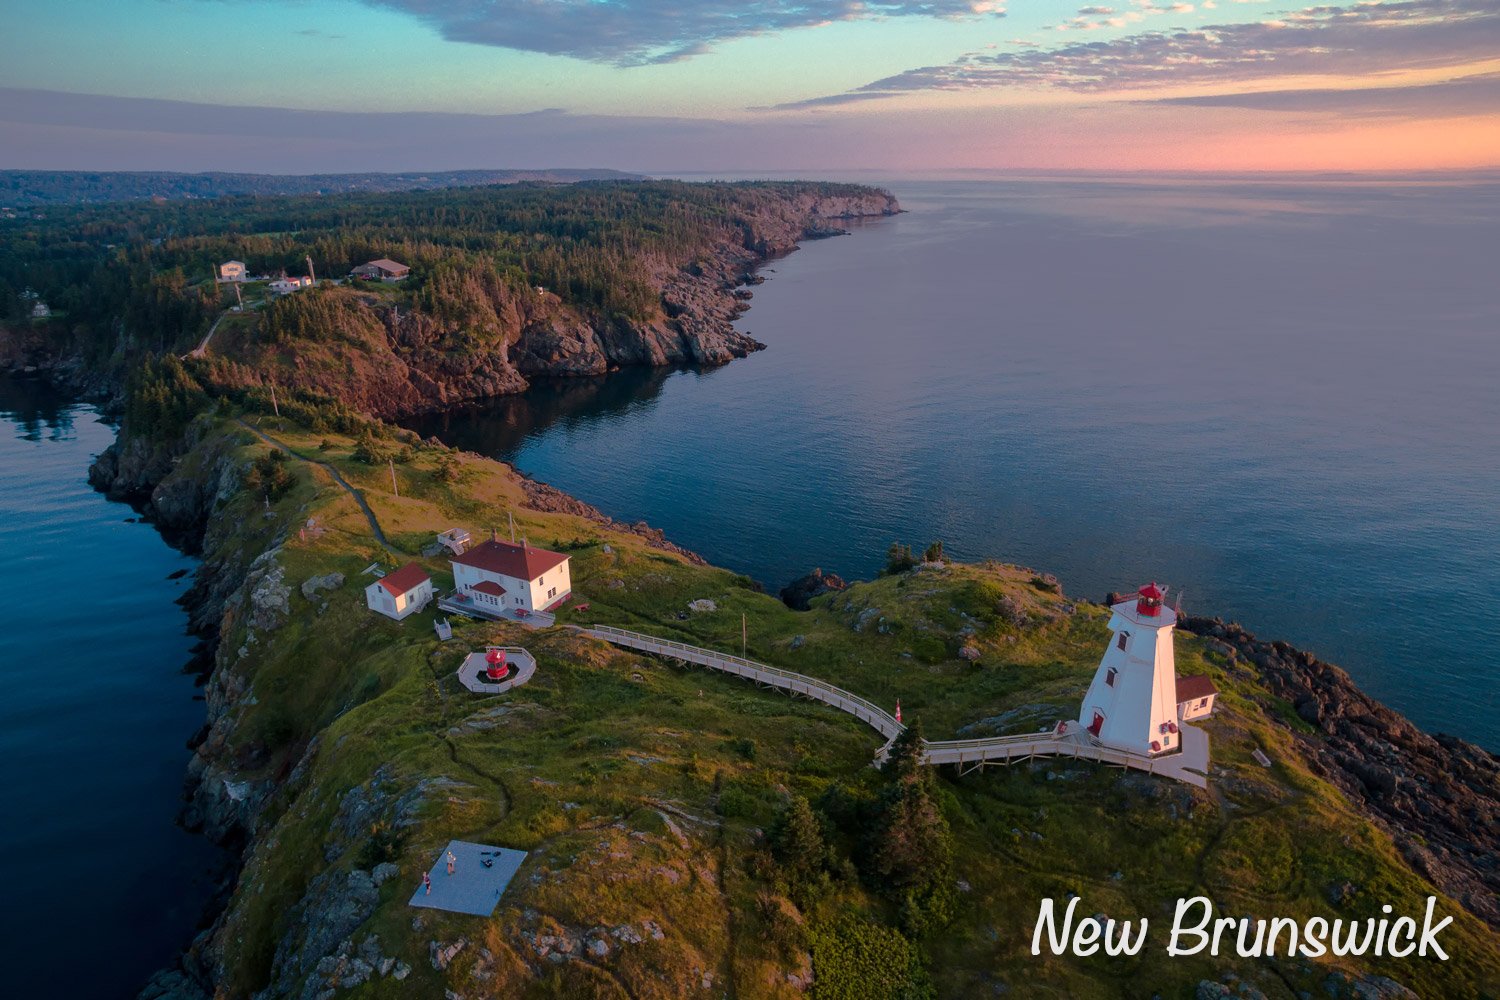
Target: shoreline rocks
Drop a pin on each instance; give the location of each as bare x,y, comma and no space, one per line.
1437,795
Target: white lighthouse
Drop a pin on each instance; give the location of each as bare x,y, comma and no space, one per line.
1132,703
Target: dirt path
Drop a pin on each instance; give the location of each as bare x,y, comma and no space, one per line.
354,492
202,347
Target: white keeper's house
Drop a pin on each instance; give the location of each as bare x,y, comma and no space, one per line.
503,576
401,593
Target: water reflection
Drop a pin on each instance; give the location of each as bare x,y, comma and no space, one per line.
36,406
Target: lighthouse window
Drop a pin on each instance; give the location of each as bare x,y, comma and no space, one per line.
1122,640
1109,678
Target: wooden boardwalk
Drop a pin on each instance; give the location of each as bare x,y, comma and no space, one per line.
1190,765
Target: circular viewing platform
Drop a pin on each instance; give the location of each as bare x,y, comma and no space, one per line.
473,673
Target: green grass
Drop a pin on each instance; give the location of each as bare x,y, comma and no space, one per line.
640,789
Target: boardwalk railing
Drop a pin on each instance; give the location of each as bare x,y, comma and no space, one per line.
966,754
866,711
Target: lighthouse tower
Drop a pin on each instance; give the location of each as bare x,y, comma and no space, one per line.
1132,703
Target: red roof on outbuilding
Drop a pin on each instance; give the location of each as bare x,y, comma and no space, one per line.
405,580
1195,687
520,562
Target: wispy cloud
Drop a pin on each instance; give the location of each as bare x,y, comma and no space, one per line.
641,32
1461,98
1327,40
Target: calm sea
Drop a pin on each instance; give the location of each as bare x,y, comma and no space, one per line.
95,713
1281,399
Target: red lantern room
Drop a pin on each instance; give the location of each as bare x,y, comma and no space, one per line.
495,658
1148,602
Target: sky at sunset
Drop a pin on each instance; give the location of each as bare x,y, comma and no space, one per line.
713,85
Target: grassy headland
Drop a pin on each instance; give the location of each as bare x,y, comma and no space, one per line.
643,792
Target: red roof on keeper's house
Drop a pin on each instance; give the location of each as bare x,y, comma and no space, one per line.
405,580
489,587
1194,687
520,562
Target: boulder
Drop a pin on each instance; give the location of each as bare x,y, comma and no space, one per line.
798,594
328,581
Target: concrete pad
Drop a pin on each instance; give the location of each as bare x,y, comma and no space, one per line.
472,888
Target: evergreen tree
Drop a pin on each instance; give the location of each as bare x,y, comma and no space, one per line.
910,853
796,840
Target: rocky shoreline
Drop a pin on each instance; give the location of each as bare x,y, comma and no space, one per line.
1437,796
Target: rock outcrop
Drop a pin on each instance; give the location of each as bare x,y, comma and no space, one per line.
798,594
1439,796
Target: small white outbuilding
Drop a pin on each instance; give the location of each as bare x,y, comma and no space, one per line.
401,593
1195,697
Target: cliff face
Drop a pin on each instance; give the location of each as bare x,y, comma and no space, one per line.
1437,795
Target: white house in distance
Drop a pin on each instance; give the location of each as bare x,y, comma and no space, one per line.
1195,697
401,593
232,270
503,576
1132,703
383,270
285,285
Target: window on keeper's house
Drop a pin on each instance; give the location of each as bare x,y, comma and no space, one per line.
1109,678
1203,703
1120,642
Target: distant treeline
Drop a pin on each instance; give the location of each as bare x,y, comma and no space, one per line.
30,188
130,277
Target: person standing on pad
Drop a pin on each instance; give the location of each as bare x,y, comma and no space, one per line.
451,860
427,883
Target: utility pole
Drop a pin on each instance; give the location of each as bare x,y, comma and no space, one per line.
273,400
744,638
512,515
310,273
237,297
394,488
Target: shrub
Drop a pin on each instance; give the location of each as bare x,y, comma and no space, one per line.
854,959
269,475
933,553
447,468
369,450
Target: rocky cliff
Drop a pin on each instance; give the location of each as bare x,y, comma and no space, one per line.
1438,796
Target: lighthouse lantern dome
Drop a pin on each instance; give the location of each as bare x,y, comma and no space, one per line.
1148,600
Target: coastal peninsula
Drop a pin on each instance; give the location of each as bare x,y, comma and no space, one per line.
686,833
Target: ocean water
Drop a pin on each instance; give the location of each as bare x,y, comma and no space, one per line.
1281,399
95,712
